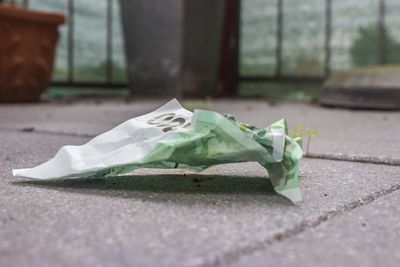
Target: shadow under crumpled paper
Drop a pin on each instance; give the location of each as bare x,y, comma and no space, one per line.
169,187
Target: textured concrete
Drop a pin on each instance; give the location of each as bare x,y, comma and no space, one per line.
342,132
87,118
366,236
166,220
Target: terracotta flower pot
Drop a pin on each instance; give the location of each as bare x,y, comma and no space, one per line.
27,48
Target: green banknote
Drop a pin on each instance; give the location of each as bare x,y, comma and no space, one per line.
172,137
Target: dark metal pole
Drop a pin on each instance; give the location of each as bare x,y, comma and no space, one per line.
109,41
70,41
25,3
382,33
229,66
328,34
279,39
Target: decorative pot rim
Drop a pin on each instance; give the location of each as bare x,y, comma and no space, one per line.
37,16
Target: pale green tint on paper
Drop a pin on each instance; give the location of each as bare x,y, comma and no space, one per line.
216,139
173,137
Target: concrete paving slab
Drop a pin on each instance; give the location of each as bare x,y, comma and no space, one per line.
366,236
342,132
79,118
369,134
166,220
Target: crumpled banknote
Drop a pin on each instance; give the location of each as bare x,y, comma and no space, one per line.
173,137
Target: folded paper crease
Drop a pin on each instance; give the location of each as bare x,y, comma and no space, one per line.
173,136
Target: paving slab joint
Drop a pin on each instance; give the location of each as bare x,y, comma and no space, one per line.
325,156
355,158
234,256
34,130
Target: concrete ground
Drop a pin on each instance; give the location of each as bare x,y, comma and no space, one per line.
350,182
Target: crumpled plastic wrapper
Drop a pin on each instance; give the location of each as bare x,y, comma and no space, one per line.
173,137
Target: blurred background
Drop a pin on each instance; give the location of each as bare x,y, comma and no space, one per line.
285,49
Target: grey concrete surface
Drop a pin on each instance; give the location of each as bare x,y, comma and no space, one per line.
342,132
151,219
81,118
365,236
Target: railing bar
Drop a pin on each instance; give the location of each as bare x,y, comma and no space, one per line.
273,78
88,84
70,60
109,40
236,61
25,3
382,33
328,36
279,38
